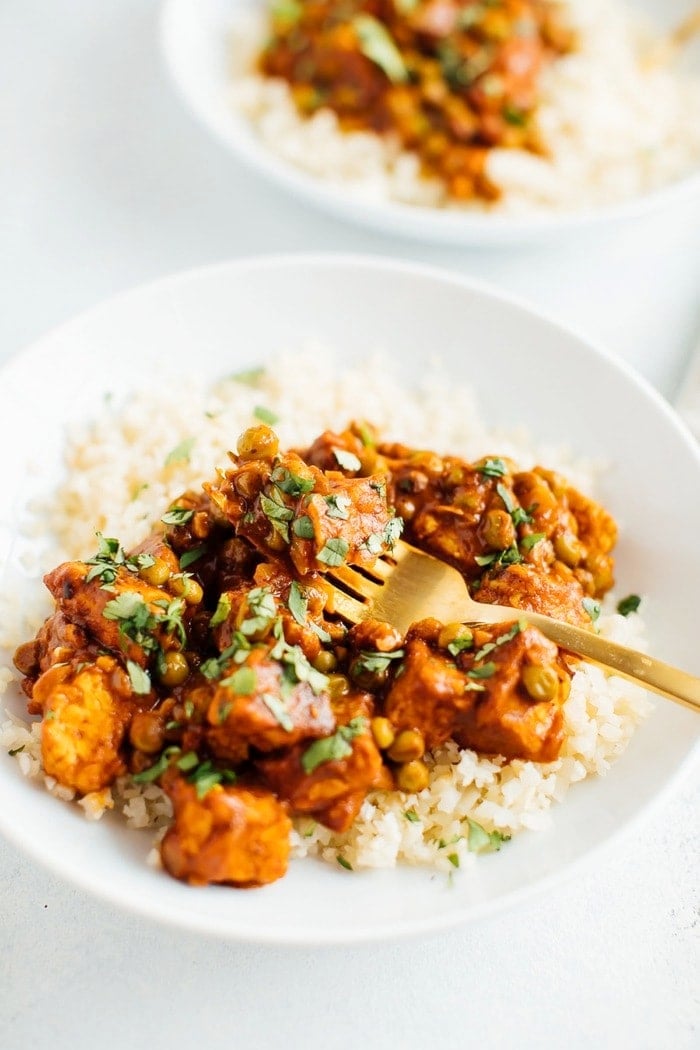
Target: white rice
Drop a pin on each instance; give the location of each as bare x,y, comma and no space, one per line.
615,128
109,461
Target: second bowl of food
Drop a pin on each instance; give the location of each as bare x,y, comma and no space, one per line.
453,121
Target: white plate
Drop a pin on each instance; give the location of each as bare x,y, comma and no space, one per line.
194,36
525,369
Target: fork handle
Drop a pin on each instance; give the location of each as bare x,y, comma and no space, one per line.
644,670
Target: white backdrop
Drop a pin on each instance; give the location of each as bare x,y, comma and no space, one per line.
105,183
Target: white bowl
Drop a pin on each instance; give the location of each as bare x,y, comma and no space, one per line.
526,370
194,38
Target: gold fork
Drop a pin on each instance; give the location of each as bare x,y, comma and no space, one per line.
408,585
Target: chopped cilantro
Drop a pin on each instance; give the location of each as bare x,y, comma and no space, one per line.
292,484
265,415
297,603
140,679
459,644
303,527
333,552
528,542
493,468
277,513
177,516
344,863
242,681
375,662
332,748
338,507
263,608
485,671
222,611
181,453
192,555
480,840
412,816
592,607
629,604
249,376
377,45
16,750
277,709
506,496
347,460
453,859
188,761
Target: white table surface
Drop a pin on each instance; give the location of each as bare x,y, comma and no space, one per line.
104,183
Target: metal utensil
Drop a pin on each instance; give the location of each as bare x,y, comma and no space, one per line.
409,585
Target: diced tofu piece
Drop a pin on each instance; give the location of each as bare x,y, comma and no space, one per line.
523,587
84,603
332,790
429,692
231,835
521,687
319,519
86,714
254,706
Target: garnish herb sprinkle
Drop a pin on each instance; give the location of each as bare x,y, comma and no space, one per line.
629,604
338,507
249,376
332,748
265,415
465,641
528,542
412,816
192,555
140,679
333,552
263,609
453,859
592,607
501,640
297,603
479,840
485,671
493,468
181,453
375,662
110,557
177,516
222,611
291,484
344,863
277,513
16,750
377,45
347,460
303,527
241,681
277,709
506,496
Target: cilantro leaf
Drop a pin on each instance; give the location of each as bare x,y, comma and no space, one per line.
181,453
629,604
265,415
333,552
177,516
140,679
332,748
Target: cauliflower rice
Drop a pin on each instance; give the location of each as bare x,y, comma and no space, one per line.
615,128
117,481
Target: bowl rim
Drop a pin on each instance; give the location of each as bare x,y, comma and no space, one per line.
469,912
